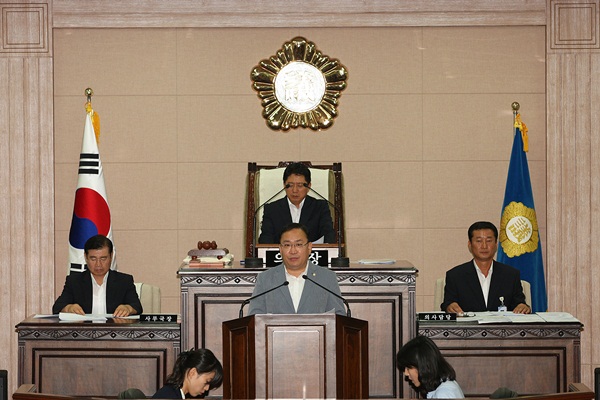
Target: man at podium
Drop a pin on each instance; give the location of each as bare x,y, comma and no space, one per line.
297,285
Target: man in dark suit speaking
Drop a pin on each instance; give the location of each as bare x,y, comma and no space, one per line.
297,207
98,290
483,284
293,290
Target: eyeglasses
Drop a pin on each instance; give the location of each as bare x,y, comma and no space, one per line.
289,246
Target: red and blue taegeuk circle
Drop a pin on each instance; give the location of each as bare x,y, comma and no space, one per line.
91,216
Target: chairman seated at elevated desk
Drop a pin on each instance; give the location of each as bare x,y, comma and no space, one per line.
298,207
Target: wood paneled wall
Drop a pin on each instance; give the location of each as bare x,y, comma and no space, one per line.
26,125
573,177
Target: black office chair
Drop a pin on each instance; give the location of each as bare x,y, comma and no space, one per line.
131,393
503,393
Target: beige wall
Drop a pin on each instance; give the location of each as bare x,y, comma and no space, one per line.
424,134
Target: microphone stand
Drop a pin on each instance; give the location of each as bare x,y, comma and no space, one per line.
338,261
249,299
257,262
348,312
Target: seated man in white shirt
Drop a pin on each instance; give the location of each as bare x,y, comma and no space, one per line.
109,292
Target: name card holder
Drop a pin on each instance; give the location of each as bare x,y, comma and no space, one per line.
321,254
154,318
436,316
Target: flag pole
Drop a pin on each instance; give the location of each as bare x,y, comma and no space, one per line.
91,213
89,92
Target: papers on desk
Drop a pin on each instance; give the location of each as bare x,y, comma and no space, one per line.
90,317
557,317
495,317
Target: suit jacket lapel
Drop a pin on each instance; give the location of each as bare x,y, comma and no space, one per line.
495,285
88,290
285,291
473,282
111,291
308,290
284,211
307,209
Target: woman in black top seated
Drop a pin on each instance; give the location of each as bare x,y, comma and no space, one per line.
194,374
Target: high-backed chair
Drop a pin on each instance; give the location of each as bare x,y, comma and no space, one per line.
438,294
264,181
149,297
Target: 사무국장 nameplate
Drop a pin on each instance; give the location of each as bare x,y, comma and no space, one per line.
158,318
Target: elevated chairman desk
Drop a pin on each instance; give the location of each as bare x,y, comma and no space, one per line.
382,295
96,359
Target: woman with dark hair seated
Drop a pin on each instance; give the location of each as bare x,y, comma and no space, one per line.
427,370
194,374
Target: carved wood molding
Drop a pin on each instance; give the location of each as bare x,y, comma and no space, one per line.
573,25
100,334
477,332
381,278
233,278
346,277
277,13
25,29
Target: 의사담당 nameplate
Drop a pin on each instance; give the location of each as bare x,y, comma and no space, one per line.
436,316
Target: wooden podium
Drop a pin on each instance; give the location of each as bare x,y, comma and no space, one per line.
295,356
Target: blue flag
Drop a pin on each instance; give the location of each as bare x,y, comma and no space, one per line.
520,244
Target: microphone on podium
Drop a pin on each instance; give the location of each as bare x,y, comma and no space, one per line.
338,261
253,261
285,283
348,312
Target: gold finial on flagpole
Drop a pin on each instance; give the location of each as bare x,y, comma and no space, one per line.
515,107
89,93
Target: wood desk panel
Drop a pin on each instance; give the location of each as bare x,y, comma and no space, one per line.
89,359
383,295
527,358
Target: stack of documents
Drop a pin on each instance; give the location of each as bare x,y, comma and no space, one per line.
495,317
90,317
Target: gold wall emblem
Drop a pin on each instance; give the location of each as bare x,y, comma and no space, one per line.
299,86
518,230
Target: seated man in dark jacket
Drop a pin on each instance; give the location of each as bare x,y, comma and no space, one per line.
109,292
297,207
483,284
